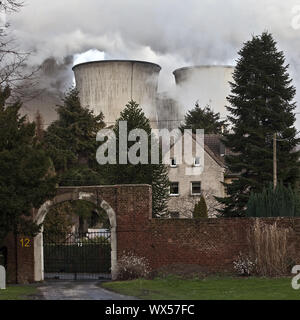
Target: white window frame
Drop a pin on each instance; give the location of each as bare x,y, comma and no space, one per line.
197,164
173,165
195,194
174,194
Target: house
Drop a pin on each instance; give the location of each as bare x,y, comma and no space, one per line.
187,186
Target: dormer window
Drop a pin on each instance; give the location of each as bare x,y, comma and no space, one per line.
197,162
173,163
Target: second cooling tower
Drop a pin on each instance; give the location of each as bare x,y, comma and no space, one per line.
207,85
108,85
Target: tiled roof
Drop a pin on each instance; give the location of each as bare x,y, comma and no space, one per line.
214,143
212,147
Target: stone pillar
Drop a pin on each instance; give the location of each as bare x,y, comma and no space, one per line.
38,258
2,278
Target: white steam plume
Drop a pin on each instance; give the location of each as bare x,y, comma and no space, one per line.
172,33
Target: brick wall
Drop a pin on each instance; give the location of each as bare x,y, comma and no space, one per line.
210,243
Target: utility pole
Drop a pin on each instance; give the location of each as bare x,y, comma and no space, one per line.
274,161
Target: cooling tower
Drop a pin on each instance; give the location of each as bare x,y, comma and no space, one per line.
209,85
108,85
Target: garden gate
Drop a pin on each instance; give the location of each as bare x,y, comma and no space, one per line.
77,256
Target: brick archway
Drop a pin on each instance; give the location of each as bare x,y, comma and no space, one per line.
73,194
110,198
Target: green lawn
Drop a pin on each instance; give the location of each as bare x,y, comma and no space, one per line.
17,292
211,288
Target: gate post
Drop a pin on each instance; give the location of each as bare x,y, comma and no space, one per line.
2,278
113,225
38,257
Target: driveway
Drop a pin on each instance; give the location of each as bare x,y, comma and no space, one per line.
77,290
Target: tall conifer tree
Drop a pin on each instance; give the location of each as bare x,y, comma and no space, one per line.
154,174
71,142
261,104
26,181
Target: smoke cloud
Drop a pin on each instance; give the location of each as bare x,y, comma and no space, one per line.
172,33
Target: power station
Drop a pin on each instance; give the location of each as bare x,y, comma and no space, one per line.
107,86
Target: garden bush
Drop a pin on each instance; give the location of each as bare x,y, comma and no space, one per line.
132,267
244,265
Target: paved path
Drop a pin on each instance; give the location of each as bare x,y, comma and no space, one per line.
78,290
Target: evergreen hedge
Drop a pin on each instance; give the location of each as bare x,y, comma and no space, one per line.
279,202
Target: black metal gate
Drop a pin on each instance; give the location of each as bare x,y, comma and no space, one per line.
77,256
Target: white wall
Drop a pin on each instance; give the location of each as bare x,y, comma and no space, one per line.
211,178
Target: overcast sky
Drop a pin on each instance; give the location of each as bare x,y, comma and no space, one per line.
172,33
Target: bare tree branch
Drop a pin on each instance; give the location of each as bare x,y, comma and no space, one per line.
14,70
11,5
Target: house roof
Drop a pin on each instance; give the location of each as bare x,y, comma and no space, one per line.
214,142
212,147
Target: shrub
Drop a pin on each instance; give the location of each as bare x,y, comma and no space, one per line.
200,210
244,265
131,267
